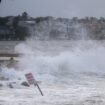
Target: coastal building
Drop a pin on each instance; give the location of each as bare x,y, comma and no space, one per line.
6,33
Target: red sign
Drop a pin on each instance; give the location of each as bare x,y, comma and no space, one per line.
30,79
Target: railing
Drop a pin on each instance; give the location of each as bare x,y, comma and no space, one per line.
9,55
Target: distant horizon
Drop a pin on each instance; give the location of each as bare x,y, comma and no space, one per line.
55,17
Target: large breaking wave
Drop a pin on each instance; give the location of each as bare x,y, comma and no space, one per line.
52,61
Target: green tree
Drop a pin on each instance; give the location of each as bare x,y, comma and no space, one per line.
15,22
3,20
21,33
25,15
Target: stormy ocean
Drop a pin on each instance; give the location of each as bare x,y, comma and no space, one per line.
68,73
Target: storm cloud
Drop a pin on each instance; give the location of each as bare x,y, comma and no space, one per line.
56,8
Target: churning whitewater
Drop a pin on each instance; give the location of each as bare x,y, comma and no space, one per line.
68,72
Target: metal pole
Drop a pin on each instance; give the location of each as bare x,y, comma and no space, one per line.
39,89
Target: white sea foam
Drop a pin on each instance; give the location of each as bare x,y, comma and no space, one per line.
71,72
55,59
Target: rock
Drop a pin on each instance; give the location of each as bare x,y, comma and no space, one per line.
13,82
10,85
25,84
1,85
2,78
19,78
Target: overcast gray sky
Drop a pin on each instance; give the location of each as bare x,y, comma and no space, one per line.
56,8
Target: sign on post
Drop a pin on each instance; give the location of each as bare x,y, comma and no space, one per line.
32,81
